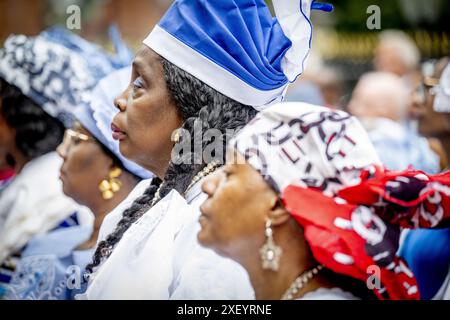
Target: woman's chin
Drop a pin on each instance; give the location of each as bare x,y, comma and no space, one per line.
67,191
125,149
206,240
203,235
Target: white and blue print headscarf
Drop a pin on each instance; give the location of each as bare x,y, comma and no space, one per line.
57,67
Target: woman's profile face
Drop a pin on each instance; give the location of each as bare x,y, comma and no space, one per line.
147,116
234,215
85,165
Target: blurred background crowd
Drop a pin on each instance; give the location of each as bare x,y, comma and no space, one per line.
395,79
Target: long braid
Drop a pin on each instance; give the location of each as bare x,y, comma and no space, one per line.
198,105
216,112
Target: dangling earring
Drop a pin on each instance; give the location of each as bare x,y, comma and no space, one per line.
112,185
270,252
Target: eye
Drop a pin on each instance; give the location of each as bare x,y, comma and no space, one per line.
226,172
76,140
138,83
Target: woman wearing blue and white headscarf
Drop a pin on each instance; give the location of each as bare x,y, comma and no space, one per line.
41,82
94,174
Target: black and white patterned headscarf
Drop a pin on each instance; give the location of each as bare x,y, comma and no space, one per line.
306,145
51,75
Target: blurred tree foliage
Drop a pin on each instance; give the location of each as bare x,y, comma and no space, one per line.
351,15
395,14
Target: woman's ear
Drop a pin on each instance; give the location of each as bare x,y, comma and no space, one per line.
106,162
278,213
111,163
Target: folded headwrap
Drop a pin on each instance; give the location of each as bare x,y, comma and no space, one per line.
57,67
48,73
99,61
331,181
236,46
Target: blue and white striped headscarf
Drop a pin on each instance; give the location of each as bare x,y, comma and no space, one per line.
236,46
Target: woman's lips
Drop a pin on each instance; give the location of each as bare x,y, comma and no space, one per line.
61,174
203,213
202,220
117,134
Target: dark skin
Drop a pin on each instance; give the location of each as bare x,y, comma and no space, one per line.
147,116
8,146
233,221
434,125
85,166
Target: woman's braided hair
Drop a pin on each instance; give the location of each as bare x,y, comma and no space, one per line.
195,101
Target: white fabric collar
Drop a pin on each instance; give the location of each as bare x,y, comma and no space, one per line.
33,204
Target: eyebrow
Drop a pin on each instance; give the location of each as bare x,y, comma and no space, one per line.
138,64
78,127
140,67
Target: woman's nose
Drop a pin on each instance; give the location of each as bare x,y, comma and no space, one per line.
121,102
62,150
209,186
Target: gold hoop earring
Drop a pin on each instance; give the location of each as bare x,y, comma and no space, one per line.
108,187
270,252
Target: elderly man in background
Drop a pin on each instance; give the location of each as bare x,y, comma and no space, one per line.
381,101
397,53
